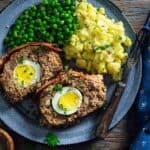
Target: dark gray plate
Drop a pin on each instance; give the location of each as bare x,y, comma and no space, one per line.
18,118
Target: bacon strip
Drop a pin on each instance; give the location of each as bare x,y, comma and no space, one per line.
55,80
60,77
6,57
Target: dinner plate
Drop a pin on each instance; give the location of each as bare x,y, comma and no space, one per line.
21,120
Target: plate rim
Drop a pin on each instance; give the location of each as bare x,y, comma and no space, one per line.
125,18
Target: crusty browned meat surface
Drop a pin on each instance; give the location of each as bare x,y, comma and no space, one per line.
49,61
92,89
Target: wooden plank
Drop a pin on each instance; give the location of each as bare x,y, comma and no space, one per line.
135,10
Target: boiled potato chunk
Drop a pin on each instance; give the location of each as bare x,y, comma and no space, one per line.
99,44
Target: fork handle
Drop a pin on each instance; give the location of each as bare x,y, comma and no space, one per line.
103,127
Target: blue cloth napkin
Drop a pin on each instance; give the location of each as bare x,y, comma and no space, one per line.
142,142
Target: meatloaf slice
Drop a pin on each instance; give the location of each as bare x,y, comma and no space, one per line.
44,54
93,92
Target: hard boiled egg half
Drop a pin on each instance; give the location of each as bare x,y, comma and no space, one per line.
67,101
27,73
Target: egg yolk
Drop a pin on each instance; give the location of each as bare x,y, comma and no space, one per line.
69,101
24,74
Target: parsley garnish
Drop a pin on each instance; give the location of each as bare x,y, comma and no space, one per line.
64,109
104,106
58,87
52,140
20,60
101,48
22,83
120,38
31,74
40,49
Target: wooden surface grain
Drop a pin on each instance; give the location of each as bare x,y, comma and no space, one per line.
122,135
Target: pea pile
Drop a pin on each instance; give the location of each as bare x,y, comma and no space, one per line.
51,21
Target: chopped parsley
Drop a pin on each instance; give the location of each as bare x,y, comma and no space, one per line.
64,109
52,140
58,87
22,83
104,106
40,49
31,74
120,38
20,60
101,48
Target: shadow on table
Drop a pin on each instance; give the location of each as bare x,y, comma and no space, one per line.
119,138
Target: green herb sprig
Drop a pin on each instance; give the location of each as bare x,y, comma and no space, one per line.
104,106
101,48
20,60
40,49
52,140
58,87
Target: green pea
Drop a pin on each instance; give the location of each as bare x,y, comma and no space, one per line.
60,9
31,34
60,36
47,34
30,39
33,14
55,26
33,8
50,39
73,8
31,26
17,27
15,34
68,2
51,21
45,2
46,18
25,21
6,40
18,22
62,22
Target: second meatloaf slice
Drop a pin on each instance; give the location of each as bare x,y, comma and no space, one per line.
91,87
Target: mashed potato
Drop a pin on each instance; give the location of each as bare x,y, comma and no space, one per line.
99,44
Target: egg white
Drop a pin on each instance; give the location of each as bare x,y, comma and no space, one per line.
36,66
37,69
55,101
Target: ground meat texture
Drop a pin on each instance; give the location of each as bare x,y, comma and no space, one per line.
49,62
93,92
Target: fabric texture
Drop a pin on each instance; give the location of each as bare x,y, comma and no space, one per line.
142,142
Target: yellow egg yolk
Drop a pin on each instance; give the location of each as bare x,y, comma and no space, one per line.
69,101
24,74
